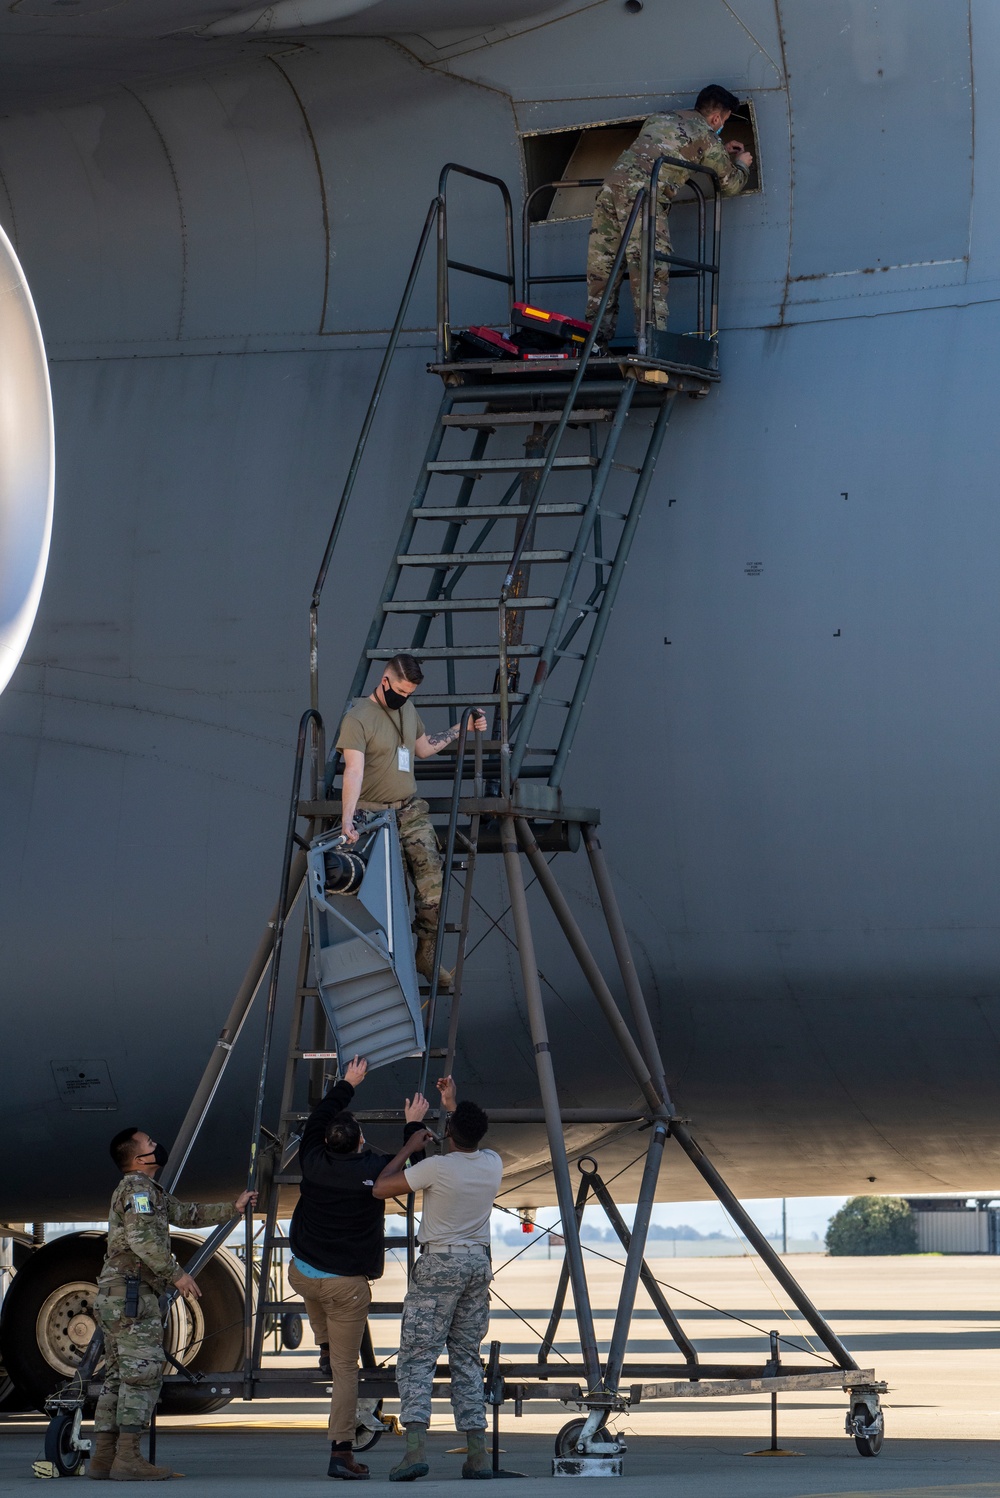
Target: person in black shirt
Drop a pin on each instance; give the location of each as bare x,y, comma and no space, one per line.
337,1245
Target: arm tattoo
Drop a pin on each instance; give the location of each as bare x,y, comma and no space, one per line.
438,740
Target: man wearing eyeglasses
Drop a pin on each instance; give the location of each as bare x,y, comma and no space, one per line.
381,738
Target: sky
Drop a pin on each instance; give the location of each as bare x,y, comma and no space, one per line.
806,1215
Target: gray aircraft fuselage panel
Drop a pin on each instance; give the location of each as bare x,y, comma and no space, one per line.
792,732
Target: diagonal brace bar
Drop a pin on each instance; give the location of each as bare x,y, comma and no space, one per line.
683,1343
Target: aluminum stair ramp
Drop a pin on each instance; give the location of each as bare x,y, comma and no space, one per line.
496,509
362,949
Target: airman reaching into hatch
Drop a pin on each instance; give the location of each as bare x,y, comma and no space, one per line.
691,134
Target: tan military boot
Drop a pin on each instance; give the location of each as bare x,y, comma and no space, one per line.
102,1454
478,1462
131,1466
425,963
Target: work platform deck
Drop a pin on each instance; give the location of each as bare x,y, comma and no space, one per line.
660,373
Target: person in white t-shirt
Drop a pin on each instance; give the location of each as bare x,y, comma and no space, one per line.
448,1300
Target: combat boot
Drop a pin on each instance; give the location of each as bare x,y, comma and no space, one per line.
477,1461
102,1454
425,963
131,1466
413,1463
342,1464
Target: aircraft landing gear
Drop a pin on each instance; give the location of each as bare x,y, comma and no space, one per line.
48,1322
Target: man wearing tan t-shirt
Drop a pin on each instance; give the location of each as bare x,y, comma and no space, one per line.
381,737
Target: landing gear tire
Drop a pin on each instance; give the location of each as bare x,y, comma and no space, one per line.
12,1400
48,1314
60,1448
214,1340
566,1440
48,1321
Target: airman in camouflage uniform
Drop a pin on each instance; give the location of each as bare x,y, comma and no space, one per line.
447,1304
689,134
381,737
448,1298
139,1251
422,853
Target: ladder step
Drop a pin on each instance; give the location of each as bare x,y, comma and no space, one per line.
483,699
283,1179
476,558
456,652
505,465
522,418
462,605
491,512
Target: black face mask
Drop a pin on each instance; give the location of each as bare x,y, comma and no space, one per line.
393,699
160,1155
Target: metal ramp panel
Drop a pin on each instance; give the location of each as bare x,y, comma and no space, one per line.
363,951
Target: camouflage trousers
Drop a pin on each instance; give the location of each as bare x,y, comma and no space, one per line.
611,211
419,843
133,1361
447,1304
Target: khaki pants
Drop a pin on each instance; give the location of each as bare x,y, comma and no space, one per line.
337,1306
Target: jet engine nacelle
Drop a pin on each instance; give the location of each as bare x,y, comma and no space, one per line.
27,461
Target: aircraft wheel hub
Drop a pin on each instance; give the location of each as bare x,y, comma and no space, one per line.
66,1324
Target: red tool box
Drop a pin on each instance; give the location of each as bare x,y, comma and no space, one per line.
487,343
535,328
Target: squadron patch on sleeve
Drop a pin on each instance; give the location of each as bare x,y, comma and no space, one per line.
139,1202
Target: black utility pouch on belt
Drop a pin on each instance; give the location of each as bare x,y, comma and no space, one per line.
132,1283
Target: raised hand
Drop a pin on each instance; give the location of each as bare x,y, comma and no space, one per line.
416,1108
449,1095
355,1071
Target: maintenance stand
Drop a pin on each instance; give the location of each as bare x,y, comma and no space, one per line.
555,417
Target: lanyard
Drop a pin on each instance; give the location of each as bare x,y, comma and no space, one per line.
397,726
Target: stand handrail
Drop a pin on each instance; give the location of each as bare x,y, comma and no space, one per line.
550,457
701,267
433,212
444,264
449,859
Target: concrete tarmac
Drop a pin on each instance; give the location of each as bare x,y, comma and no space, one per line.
928,1325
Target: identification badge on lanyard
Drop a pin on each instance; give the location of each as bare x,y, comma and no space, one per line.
403,759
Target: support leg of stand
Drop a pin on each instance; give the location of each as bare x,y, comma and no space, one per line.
588,963
152,1438
626,963
563,1281
550,1101
634,1259
248,1302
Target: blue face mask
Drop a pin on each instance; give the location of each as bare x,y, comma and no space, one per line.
720,130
